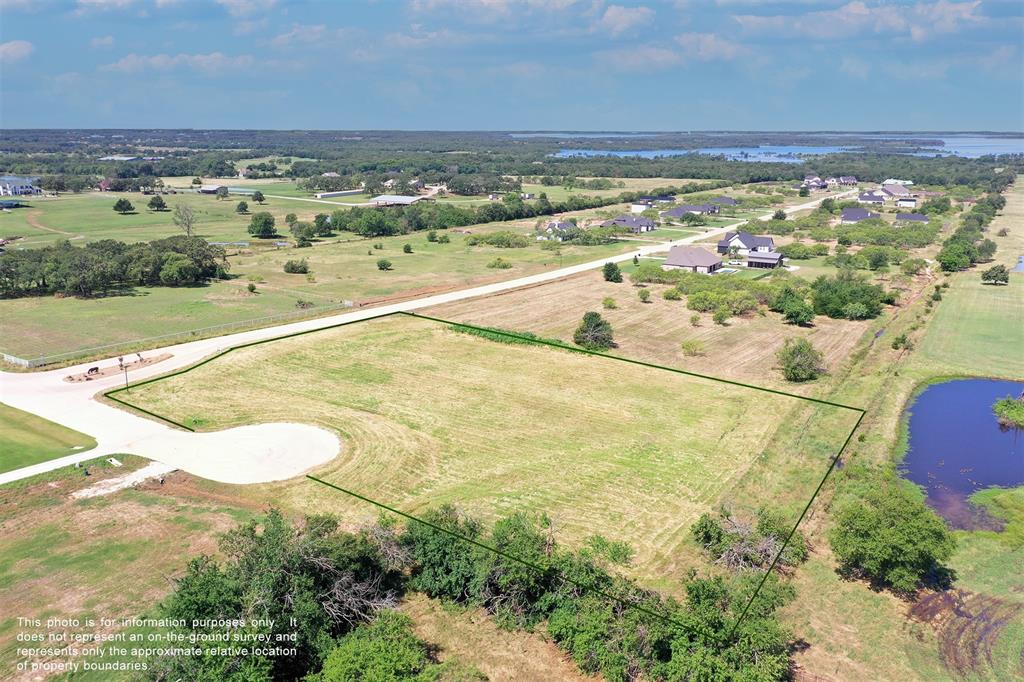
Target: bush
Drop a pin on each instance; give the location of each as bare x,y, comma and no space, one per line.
798,312
499,264
296,267
612,273
251,287
886,533
443,239
407,248
1010,412
721,315
834,296
243,207
594,333
644,295
672,294
609,303
503,239
695,320
385,649
800,360
692,347
383,264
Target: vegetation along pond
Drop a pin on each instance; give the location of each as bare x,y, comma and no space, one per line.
956,447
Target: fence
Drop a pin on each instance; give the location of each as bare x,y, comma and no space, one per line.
175,337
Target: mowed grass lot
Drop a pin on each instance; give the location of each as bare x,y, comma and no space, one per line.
432,416
27,439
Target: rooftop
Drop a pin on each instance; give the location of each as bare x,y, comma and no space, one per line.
691,256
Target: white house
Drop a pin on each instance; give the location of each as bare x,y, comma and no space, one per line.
906,202
15,186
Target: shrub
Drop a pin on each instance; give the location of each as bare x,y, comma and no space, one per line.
443,239
833,296
609,303
798,312
432,236
800,360
296,267
695,320
721,315
612,273
503,239
243,207
407,248
594,333
886,533
672,294
644,295
385,649
251,286
383,264
902,341
1010,412
500,264
692,347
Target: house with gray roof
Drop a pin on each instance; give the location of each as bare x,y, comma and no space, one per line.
855,215
848,180
556,230
16,186
695,209
870,198
764,259
692,258
911,218
635,224
745,243
897,191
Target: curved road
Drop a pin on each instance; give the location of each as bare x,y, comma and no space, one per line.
118,431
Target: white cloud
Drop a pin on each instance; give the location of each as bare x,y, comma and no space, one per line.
920,21
210,64
15,50
642,58
708,47
855,67
85,5
618,19
243,8
102,41
300,34
419,39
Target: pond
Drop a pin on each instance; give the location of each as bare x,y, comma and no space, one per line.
956,448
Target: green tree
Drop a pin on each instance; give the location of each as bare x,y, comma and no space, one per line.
385,649
322,225
432,235
123,206
196,182
383,264
290,219
157,203
890,536
594,333
804,192
243,207
407,248
222,192
800,360
262,225
798,312
258,197
612,273
779,214
443,564
997,274
179,270
692,347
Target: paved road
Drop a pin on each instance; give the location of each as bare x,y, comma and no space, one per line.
73,405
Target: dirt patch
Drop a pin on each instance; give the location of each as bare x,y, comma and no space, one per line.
968,625
32,218
112,369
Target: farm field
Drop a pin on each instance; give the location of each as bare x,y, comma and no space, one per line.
26,439
742,350
431,416
339,271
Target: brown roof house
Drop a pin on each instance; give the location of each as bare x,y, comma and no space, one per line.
693,259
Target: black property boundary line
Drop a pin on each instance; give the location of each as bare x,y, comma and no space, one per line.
540,342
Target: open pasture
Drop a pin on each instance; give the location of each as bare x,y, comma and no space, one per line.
430,416
26,439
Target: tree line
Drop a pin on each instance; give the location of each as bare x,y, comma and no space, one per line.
341,587
968,244
102,266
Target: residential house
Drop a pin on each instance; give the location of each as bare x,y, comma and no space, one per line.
659,199
896,191
556,230
696,209
848,180
632,223
911,218
330,174
15,186
906,202
527,195
764,260
832,182
894,181
871,198
813,182
693,259
639,206
745,243
210,189
855,215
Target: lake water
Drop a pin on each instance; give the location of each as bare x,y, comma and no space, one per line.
968,146
957,448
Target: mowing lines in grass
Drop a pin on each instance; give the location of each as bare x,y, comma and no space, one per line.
522,339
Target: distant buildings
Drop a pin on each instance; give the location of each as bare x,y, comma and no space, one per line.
693,259
894,181
695,209
633,223
394,200
556,230
870,198
906,202
855,215
848,180
911,218
210,189
17,186
896,191
118,157
641,204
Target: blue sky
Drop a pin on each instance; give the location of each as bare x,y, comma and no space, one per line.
513,64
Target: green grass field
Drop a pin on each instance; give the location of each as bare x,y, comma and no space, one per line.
430,416
27,439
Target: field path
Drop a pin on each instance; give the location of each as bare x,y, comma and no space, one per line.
116,431
32,218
